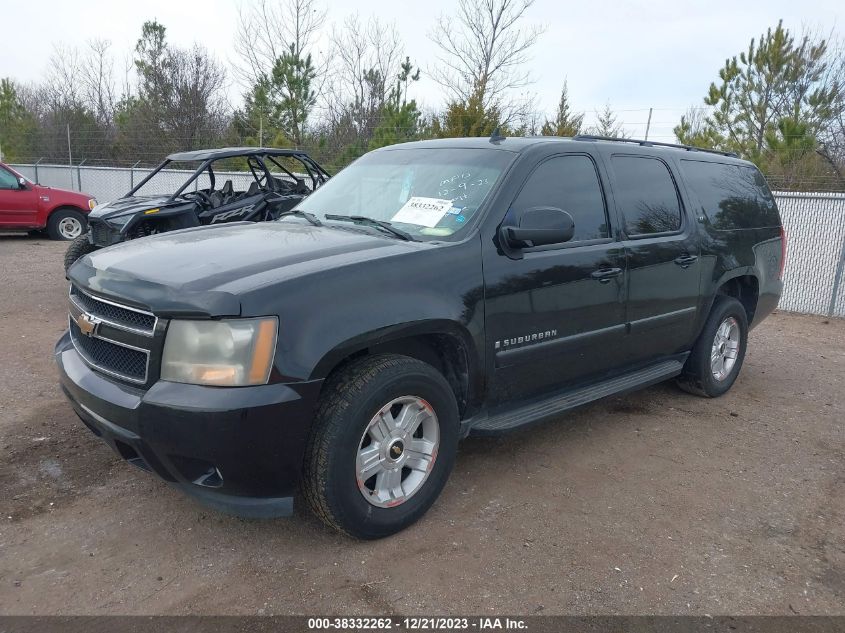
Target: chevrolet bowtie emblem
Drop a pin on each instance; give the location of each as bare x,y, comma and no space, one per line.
87,324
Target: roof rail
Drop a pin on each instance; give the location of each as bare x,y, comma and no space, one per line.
689,148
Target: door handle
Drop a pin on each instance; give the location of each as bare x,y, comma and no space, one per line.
604,275
684,261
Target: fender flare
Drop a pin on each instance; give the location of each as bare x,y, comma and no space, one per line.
734,273
446,327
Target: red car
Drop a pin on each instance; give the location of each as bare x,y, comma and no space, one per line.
27,206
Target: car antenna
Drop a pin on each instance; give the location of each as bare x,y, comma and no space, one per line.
496,136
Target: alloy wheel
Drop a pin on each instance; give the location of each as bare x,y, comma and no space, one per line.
397,451
725,348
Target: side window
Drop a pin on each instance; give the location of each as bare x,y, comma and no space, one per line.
731,196
572,184
646,194
8,180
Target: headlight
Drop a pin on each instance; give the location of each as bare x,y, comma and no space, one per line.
92,203
229,353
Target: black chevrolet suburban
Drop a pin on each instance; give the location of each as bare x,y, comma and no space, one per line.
428,291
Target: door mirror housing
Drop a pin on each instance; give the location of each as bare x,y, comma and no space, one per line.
22,183
539,226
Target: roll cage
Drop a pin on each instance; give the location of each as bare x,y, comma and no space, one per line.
257,160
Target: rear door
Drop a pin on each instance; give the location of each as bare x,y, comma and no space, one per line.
662,248
555,315
18,206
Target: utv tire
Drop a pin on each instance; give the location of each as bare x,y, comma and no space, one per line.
365,472
66,224
76,249
716,358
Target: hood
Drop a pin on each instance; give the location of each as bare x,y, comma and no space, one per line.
59,194
202,271
131,206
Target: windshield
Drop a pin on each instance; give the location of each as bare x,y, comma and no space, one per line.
428,193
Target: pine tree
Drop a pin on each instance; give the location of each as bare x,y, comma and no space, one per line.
606,124
777,78
400,120
16,124
565,122
290,88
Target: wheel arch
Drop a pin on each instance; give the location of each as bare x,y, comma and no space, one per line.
742,284
443,344
67,207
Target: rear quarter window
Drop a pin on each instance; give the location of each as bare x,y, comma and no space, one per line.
731,196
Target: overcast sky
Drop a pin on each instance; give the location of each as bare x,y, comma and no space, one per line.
635,54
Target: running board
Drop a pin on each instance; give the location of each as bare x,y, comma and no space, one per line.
555,404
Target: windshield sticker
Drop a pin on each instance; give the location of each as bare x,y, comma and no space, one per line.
423,211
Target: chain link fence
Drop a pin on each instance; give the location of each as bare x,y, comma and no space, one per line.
815,229
814,222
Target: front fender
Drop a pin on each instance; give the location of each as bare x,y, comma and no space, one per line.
397,332
334,313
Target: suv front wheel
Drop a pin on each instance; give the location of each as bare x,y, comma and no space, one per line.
716,358
66,224
382,447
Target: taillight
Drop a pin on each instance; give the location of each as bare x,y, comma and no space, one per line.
782,252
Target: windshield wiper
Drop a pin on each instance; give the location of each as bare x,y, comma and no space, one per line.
302,214
379,224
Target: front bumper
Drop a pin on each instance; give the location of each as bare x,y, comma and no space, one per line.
238,450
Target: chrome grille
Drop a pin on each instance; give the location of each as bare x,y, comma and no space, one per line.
109,357
122,317
112,338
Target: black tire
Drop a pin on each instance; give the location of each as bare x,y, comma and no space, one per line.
54,224
698,377
350,400
78,248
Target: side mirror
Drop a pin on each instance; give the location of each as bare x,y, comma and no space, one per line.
539,226
22,183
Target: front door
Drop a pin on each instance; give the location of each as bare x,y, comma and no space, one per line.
663,257
18,206
555,315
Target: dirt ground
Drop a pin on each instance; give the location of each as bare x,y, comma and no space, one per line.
656,502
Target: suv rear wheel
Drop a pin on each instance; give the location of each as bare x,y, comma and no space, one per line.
715,361
382,447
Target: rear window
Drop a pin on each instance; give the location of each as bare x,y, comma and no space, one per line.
731,196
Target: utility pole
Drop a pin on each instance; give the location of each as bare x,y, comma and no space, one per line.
648,125
261,130
69,157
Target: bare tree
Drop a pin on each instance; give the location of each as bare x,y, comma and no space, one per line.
61,88
483,49
97,79
268,28
368,57
832,133
199,103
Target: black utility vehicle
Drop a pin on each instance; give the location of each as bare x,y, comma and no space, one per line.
276,181
428,291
